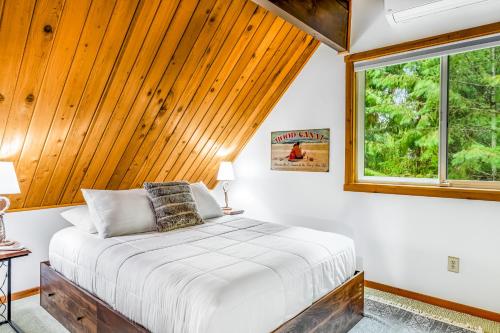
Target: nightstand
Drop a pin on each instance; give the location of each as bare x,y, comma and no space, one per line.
5,264
233,211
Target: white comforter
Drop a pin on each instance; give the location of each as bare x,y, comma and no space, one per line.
231,274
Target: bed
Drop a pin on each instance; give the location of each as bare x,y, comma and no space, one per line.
231,274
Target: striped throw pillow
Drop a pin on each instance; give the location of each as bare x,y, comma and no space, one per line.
173,204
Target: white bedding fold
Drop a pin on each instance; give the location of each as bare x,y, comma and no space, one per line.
231,274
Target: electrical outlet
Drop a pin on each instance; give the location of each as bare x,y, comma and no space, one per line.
453,264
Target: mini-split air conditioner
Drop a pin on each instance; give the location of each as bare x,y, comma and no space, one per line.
400,11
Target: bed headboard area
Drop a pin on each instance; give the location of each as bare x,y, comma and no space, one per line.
108,94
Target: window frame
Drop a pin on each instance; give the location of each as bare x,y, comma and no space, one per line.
441,187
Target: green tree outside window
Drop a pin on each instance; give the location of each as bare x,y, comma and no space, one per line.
402,104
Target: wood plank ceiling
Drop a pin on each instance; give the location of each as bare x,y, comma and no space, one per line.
111,93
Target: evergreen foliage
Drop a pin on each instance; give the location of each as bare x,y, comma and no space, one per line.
402,118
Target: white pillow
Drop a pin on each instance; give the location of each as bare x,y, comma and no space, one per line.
207,206
80,218
118,213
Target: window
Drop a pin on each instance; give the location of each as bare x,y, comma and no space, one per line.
401,120
430,117
473,115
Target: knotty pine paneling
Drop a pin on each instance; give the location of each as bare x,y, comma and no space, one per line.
108,94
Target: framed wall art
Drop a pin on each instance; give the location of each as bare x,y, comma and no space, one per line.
301,150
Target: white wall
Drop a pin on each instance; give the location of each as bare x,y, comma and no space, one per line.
402,241
33,229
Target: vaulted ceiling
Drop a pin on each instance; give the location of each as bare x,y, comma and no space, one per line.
110,93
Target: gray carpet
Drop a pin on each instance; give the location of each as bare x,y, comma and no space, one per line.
379,318
385,318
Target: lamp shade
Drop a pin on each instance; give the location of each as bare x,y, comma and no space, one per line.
226,171
8,179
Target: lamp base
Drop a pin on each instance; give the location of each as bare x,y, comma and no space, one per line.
3,238
5,206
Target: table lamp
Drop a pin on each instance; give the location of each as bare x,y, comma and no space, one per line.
8,185
226,174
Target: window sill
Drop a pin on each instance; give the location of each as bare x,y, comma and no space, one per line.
426,191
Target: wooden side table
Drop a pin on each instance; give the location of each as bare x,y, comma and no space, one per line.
5,261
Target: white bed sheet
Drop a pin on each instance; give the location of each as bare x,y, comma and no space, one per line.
231,274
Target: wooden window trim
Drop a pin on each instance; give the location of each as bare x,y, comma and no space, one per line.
350,181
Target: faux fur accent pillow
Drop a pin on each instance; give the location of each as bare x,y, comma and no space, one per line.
173,204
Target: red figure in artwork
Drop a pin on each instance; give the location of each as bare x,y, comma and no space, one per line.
296,153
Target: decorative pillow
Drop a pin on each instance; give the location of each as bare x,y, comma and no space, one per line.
117,213
173,204
208,207
80,218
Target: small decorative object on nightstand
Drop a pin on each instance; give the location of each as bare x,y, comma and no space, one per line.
226,174
6,295
8,185
233,212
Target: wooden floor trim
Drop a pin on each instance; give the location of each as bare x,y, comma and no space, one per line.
22,294
485,314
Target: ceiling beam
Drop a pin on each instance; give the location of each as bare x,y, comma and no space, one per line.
326,20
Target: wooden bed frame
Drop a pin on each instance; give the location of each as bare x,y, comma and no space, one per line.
79,311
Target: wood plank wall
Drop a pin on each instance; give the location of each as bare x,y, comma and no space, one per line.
111,93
